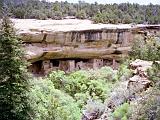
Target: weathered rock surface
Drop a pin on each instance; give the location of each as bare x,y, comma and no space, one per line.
35,53
76,36
128,90
140,81
76,39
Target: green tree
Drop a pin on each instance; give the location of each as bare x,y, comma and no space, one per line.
127,19
19,13
99,18
13,77
37,14
81,14
49,103
111,13
1,4
148,49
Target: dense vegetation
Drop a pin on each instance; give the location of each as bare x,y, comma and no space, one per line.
100,13
149,108
61,96
58,96
49,103
68,97
13,77
146,49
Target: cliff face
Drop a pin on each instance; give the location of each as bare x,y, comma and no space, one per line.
74,44
77,44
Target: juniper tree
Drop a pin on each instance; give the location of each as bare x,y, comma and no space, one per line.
1,4
13,77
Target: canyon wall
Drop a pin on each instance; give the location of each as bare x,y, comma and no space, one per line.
74,45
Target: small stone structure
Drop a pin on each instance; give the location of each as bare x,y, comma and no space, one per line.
97,63
68,65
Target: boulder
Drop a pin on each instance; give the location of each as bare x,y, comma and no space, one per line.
138,83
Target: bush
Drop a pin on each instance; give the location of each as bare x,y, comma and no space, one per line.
81,99
87,85
122,112
79,86
105,73
148,108
49,103
148,49
83,85
93,109
81,14
58,78
124,72
154,72
94,84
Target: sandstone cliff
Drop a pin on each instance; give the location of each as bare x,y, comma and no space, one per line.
69,40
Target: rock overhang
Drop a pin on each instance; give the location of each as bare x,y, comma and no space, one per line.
64,33
68,40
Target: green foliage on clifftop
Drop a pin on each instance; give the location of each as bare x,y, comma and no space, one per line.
100,13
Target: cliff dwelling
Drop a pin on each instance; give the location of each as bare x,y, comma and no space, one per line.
77,44
43,67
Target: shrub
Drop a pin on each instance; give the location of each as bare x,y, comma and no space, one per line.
148,49
148,108
82,85
80,82
154,72
49,103
58,78
105,73
82,98
123,72
93,109
122,112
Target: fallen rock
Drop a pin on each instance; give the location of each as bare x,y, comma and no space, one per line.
129,90
138,83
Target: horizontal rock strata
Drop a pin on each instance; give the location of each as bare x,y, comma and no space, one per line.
77,39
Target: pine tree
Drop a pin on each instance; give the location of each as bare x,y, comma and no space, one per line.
1,4
13,75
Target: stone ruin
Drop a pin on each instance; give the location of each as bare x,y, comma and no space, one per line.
77,44
67,65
